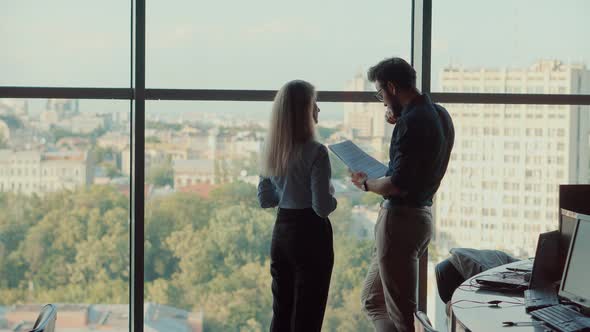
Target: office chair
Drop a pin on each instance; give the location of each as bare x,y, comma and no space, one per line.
447,279
46,320
422,323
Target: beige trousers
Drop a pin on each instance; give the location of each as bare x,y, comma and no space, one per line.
388,298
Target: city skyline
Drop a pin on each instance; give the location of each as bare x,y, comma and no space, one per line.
69,224
197,153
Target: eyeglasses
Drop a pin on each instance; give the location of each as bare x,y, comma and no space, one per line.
379,95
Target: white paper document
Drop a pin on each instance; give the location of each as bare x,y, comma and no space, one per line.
358,160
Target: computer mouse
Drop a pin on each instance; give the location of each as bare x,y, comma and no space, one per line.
527,276
573,307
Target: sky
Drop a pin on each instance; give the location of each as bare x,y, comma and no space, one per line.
261,44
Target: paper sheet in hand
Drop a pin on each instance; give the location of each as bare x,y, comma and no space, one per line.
358,160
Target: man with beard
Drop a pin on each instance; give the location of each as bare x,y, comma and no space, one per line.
419,154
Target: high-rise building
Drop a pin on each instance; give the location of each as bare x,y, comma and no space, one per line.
365,122
501,186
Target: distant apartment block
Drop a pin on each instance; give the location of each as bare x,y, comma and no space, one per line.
40,172
501,187
365,122
194,172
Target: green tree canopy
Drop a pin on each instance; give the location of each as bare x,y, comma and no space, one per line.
209,254
161,175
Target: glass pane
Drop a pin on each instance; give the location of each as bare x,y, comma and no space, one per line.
501,187
64,227
208,241
65,43
536,48
260,45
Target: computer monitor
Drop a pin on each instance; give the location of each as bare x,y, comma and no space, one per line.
574,197
545,268
567,224
574,282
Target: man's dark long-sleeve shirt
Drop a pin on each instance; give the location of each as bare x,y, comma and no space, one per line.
420,150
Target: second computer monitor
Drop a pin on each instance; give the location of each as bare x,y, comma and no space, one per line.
574,283
567,224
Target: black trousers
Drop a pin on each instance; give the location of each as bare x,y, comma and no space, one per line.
302,256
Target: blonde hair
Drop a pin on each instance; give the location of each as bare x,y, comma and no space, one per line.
291,125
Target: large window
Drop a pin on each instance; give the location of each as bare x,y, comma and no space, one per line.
501,187
516,81
64,229
64,164
207,241
511,152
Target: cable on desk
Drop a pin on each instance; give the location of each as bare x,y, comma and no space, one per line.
490,304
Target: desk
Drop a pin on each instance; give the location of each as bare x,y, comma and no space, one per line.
468,316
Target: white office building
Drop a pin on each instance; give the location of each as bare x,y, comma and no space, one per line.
365,122
501,187
38,172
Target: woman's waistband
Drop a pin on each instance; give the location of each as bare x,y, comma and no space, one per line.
299,214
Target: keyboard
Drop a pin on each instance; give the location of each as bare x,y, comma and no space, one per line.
562,318
539,298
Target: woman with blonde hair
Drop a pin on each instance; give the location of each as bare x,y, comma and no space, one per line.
296,178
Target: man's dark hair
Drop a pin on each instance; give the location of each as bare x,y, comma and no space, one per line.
395,70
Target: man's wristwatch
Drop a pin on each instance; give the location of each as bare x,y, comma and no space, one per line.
365,188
